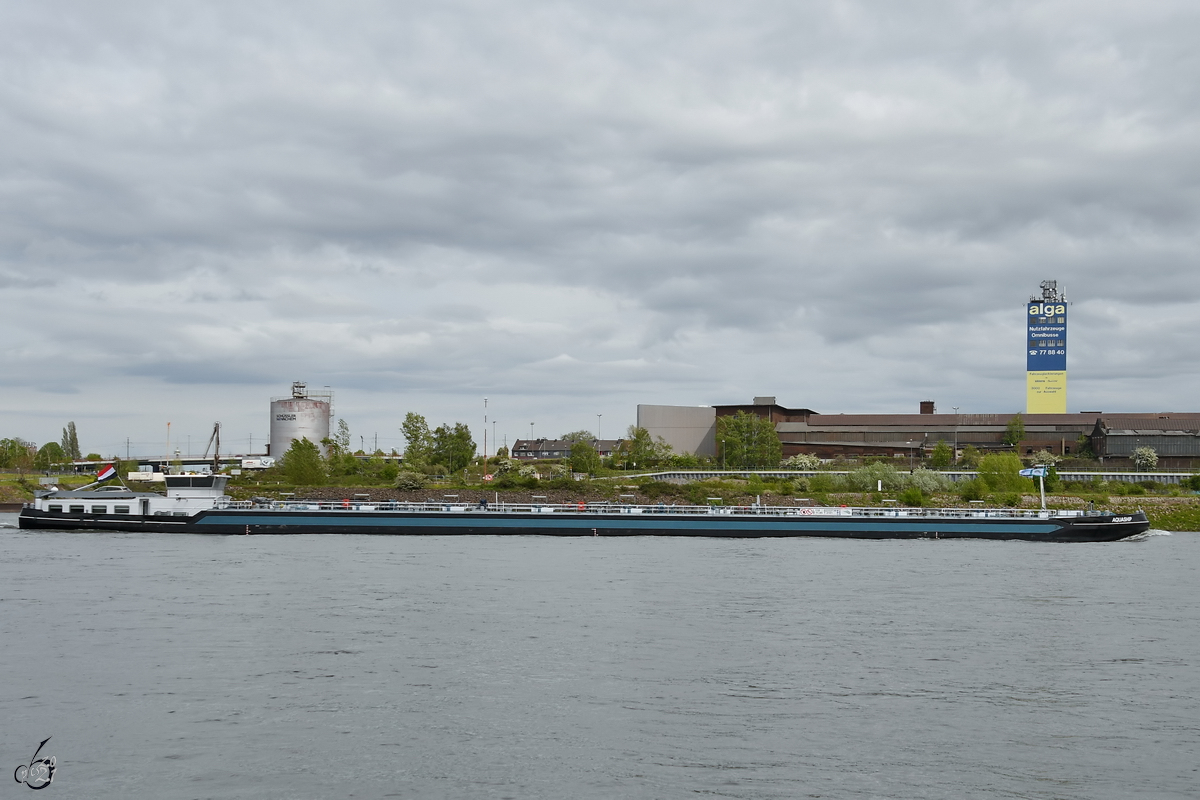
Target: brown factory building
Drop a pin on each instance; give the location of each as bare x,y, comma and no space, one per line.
1111,437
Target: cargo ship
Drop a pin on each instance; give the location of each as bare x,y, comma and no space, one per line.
197,504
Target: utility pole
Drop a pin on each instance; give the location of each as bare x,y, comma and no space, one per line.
955,434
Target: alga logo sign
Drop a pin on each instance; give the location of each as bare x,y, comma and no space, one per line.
1047,309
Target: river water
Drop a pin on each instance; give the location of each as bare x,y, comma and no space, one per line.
478,667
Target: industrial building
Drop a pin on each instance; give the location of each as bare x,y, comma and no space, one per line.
302,415
1110,437
688,429
1174,437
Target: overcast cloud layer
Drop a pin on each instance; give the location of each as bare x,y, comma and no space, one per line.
571,208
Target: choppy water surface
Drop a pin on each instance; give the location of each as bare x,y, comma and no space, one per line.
476,667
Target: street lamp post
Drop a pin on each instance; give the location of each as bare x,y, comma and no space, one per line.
955,434
598,416
910,458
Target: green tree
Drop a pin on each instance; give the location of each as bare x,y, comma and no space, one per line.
584,458
453,447
684,460
928,481
339,460
70,442
1014,431
641,446
1051,480
973,489
748,440
644,450
942,455
867,478
970,457
51,455
419,447
578,436
8,451
1002,473
17,454
303,465
342,437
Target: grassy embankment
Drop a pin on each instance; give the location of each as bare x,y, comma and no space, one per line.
15,488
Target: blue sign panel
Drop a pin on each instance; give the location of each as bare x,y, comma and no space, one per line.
1046,345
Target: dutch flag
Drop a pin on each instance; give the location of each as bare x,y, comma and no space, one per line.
106,472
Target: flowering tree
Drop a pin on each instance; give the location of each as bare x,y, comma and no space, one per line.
802,461
1144,458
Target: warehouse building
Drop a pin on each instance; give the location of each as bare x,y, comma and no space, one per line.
1111,437
688,429
1172,436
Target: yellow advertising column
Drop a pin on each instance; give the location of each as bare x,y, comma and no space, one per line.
1046,353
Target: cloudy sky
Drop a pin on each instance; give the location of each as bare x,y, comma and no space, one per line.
571,208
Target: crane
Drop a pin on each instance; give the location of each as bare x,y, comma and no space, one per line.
215,439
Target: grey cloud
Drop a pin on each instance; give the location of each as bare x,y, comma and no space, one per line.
571,200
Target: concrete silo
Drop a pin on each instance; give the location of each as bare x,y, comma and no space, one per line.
304,415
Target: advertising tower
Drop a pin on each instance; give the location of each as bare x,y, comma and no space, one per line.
1046,352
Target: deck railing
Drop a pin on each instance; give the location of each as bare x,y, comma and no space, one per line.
595,508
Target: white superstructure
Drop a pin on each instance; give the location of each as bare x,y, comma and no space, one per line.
186,495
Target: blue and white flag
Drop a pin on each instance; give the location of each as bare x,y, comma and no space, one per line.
1034,472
